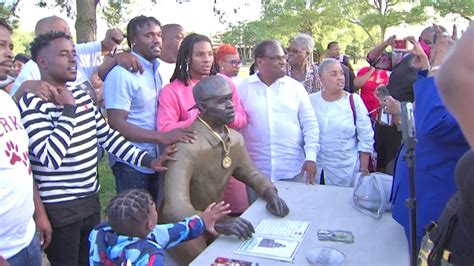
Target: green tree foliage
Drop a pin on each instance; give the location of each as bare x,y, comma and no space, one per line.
357,24
115,12
464,8
283,19
7,12
67,6
21,40
379,15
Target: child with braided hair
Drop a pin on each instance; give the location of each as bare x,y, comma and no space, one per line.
132,235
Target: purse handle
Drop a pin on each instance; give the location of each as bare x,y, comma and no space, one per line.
383,204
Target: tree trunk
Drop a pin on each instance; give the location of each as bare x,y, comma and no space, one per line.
86,22
383,29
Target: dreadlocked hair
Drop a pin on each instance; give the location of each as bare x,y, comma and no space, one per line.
44,40
184,60
138,22
128,211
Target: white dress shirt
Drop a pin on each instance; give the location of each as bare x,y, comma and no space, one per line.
282,130
166,71
341,141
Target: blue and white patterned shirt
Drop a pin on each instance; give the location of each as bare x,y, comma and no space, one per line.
109,248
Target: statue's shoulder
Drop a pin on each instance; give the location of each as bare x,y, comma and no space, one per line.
236,137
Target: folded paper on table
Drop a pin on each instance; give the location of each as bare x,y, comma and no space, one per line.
275,239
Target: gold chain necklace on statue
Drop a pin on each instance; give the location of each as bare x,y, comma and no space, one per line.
227,161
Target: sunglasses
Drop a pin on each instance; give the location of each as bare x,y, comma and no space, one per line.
234,63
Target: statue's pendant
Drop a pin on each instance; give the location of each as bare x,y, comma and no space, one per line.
226,162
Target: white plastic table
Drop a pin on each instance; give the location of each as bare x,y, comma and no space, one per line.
376,242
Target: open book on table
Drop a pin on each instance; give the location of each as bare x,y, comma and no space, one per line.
275,239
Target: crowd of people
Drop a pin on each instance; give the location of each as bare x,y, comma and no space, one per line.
192,143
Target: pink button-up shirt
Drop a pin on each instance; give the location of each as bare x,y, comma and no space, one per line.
175,99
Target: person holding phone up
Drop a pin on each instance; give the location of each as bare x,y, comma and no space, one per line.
440,144
400,87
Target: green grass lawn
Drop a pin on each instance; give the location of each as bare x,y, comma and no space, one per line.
107,184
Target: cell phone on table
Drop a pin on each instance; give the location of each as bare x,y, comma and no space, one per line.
400,44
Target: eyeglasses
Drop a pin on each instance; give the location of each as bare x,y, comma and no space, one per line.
277,58
295,51
234,63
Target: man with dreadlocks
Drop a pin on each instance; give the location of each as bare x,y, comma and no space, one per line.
63,138
131,102
132,235
195,62
203,169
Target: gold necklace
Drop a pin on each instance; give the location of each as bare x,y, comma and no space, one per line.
227,161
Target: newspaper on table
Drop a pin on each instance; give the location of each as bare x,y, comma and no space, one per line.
275,239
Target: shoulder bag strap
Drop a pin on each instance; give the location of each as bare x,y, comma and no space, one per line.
354,114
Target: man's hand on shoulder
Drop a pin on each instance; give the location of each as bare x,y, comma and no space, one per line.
40,88
275,204
238,227
63,96
177,135
158,164
129,62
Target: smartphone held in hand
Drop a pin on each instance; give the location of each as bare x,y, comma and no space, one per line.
385,118
399,45
381,92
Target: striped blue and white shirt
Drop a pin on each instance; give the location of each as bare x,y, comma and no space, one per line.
63,146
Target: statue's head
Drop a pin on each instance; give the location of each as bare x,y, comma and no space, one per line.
213,97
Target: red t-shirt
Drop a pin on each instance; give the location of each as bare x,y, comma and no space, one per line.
368,89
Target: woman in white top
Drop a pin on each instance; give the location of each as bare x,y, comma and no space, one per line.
346,144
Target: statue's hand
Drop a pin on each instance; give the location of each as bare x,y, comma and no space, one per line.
239,227
275,204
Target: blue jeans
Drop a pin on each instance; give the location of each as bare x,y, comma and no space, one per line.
126,177
29,256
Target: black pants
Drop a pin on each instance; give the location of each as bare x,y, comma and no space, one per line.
72,221
70,243
387,142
